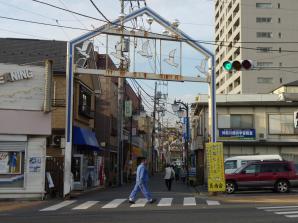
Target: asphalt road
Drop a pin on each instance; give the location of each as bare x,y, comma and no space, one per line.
180,205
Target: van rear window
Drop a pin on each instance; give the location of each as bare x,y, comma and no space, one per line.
231,164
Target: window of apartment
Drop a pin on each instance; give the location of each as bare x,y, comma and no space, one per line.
241,121
265,80
278,5
264,64
235,121
264,35
279,20
281,123
263,19
85,101
264,49
264,5
279,35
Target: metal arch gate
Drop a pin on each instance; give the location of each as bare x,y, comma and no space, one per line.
105,28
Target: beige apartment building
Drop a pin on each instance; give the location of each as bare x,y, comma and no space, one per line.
264,31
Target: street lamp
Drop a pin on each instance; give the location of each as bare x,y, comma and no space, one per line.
175,107
180,107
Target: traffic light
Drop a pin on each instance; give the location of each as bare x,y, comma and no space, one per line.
296,119
237,65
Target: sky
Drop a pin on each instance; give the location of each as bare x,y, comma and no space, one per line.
196,18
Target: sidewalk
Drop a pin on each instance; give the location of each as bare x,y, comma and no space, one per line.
13,205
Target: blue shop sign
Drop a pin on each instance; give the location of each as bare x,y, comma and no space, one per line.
244,134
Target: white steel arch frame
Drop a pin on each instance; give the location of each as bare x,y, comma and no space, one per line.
105,28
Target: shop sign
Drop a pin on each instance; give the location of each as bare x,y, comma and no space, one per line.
237,134
215,164
15,76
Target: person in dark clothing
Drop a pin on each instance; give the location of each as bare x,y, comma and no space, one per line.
169,176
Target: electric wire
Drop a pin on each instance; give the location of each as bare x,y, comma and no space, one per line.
100,12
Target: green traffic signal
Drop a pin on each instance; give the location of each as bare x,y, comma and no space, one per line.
227,65
238,65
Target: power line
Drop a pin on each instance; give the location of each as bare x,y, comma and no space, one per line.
150,96
100,11
25,34
73,15
42,23
67,10
197,41
203,41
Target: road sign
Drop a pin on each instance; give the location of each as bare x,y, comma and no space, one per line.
216,171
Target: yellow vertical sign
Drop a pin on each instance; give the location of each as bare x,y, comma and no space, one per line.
216,170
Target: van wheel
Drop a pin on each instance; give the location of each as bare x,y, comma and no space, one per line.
282,186
231,187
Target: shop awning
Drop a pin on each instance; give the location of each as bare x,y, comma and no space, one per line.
85,137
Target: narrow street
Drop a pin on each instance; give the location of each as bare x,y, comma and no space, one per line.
182,203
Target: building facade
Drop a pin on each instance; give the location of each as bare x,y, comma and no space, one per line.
87,155
262,31
251,124
25,118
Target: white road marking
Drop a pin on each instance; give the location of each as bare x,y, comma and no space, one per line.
209,202
189,201
291,216
165,202
58,206
114,203
280,207
85,205
288,209
287,212
139,203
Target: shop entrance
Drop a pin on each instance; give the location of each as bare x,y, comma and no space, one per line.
54,173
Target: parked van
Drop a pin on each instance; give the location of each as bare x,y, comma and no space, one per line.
235,162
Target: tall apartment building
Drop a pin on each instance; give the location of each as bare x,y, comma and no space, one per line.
264,31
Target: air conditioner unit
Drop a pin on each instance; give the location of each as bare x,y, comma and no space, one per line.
262,137
56,140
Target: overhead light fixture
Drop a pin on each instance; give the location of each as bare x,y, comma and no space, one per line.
175,107
181,113
176,23
150,20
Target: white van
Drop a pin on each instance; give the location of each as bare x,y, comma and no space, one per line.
235,162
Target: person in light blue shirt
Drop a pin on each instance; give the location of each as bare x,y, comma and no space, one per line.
142,179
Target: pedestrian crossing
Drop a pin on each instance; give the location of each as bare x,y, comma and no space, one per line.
287,211
121,202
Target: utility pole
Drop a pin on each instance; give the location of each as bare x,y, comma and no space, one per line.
120,109
153,130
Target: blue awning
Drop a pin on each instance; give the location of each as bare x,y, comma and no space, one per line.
85,137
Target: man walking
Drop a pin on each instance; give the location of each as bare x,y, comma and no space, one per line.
142,179
169,176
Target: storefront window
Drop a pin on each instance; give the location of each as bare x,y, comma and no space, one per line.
11,169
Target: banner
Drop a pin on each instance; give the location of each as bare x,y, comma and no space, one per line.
215,164
128,108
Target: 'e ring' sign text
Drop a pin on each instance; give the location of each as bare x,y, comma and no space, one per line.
15,76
